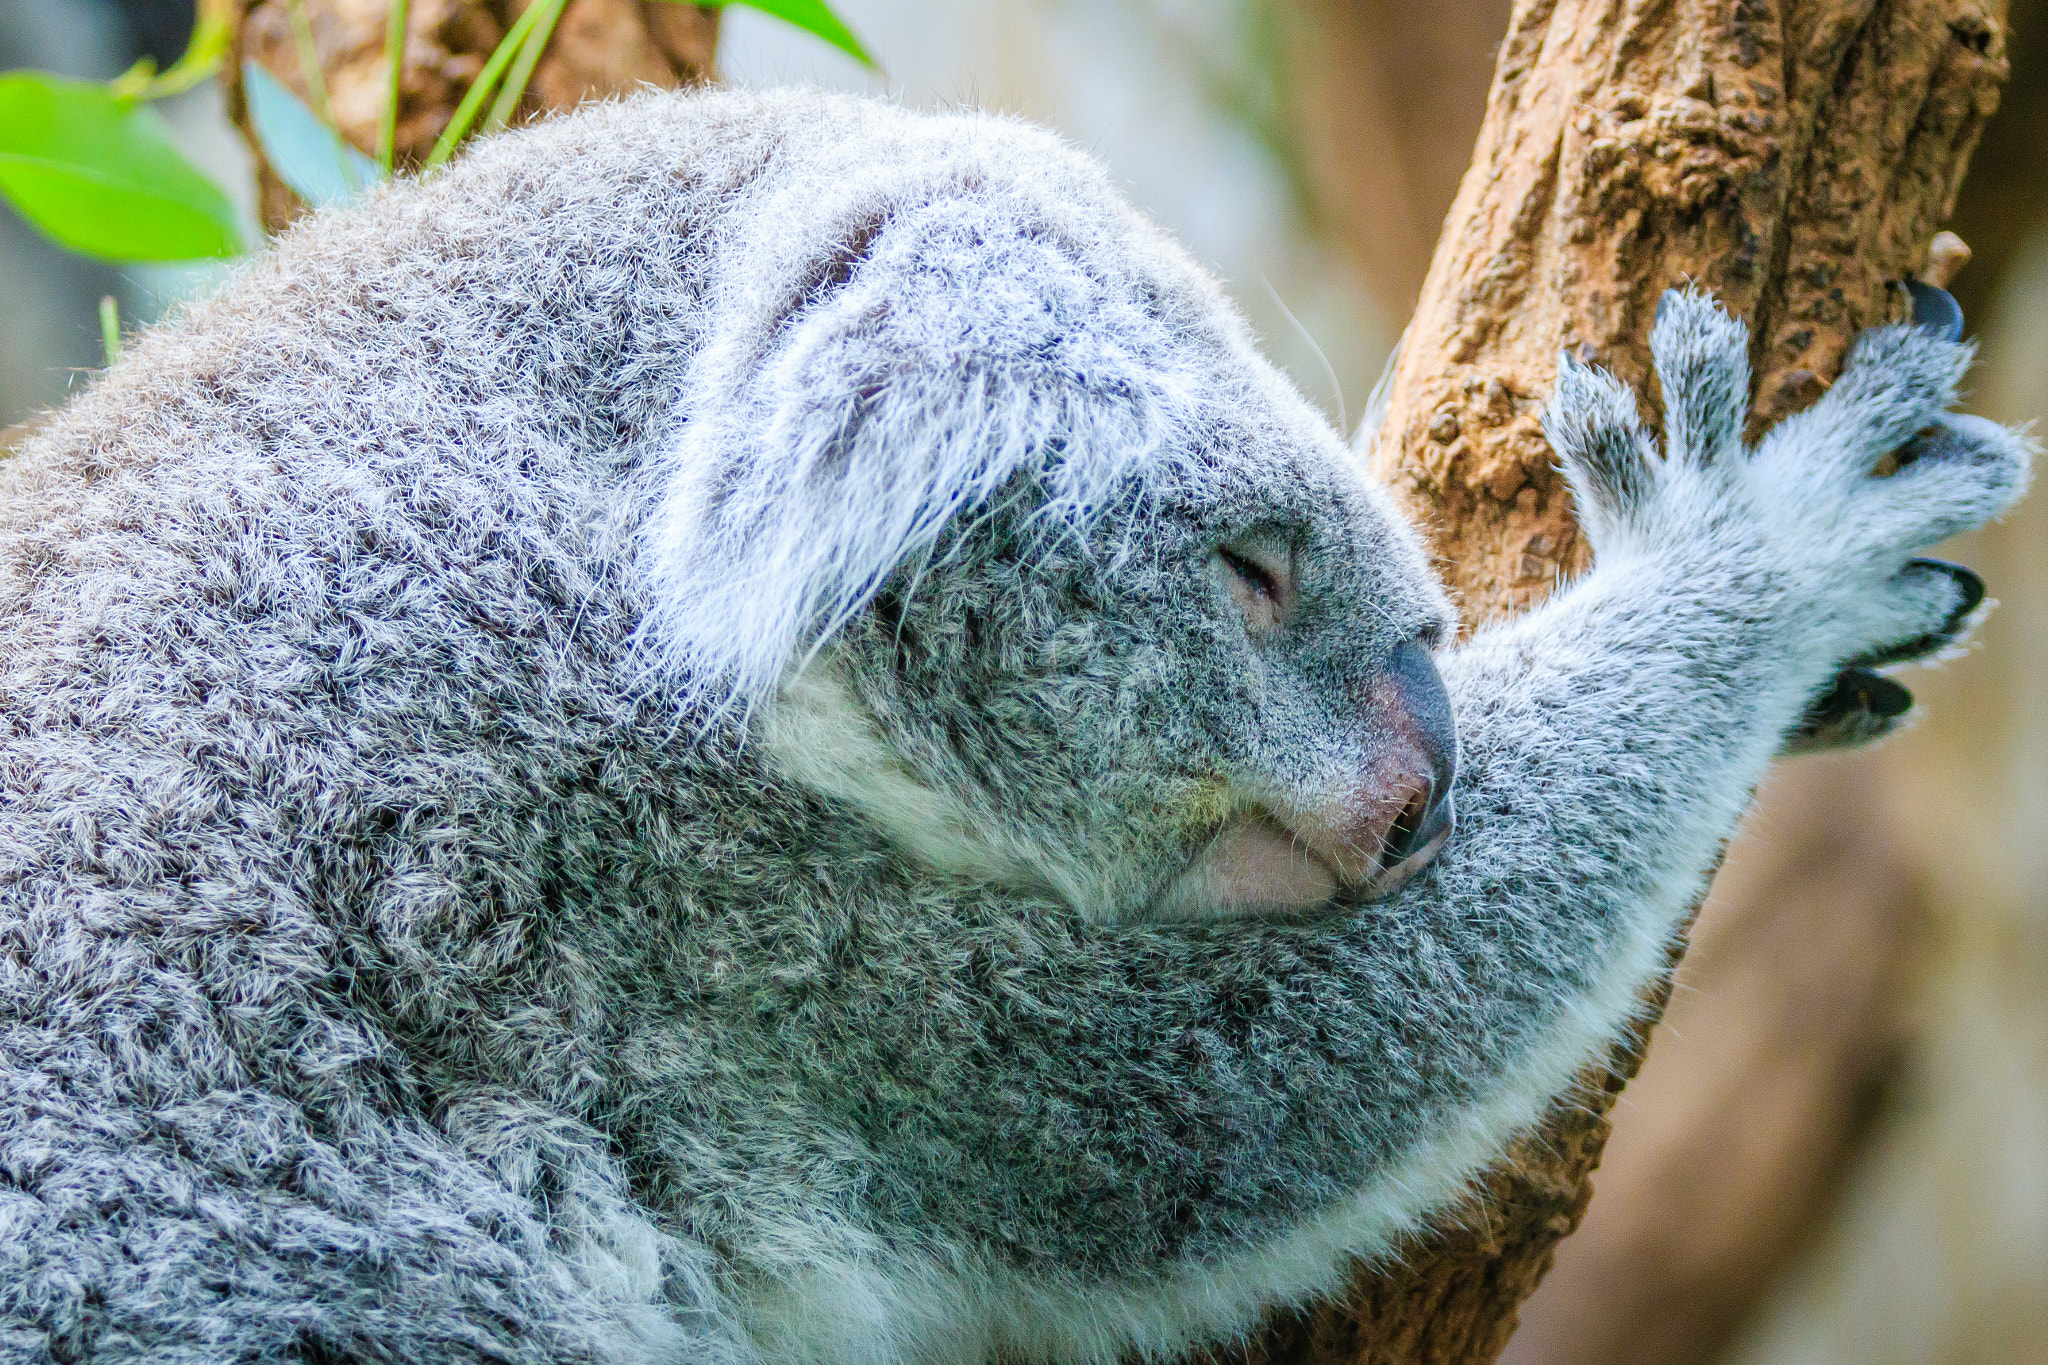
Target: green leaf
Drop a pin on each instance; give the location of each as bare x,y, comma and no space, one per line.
395,17
812,16
546,13
100,174
306,154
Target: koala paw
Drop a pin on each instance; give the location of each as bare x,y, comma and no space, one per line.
1621,482
1831,504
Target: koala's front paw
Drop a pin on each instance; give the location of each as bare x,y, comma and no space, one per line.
1829,507
1952,474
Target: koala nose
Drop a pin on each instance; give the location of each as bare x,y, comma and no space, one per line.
1418,720
1420,831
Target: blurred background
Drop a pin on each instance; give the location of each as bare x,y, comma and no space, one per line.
1838,1150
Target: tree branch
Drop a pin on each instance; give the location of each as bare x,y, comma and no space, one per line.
1796,160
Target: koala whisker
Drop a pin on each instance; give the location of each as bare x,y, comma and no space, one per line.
1329,370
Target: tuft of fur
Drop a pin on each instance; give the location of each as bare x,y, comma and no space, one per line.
592,749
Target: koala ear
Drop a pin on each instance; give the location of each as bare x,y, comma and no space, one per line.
814,461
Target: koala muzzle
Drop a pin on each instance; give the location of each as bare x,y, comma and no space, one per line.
1357,843
1398,810
1413,813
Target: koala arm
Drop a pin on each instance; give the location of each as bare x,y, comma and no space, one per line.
1143,1134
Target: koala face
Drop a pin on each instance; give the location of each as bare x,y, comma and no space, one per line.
1220,701
1001,526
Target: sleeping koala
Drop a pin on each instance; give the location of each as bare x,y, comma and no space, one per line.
747,729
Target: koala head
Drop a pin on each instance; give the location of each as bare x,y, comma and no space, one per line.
999,529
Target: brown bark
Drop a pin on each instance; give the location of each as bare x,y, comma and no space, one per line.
1795,157
599,48
1795,160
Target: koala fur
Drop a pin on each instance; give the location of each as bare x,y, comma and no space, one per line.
601,757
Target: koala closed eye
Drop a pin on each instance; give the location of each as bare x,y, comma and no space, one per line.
1259,576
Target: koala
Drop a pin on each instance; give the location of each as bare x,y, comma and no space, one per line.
747,730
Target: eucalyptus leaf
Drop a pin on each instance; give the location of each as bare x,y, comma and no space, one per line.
99,174
812,16
308,155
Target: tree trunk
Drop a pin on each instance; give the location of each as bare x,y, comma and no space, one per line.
599,48
1796,158
1795,161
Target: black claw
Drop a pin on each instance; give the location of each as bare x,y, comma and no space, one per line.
1970,595
1859,707
1967,583
1859,689
1936,309
1881,696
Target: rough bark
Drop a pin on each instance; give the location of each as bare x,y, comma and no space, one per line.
599,48
1797,157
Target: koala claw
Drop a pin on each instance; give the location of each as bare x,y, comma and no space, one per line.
1937,310
1858,707
1969,589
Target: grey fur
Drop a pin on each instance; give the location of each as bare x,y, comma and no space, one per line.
589,747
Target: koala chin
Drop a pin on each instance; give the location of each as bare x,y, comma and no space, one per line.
748,729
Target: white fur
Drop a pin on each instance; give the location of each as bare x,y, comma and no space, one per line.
819,736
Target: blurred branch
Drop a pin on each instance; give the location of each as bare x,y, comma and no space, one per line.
598,48
201,58
1787,1029
2007,197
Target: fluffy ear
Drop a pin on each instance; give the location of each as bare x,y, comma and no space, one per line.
930,360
